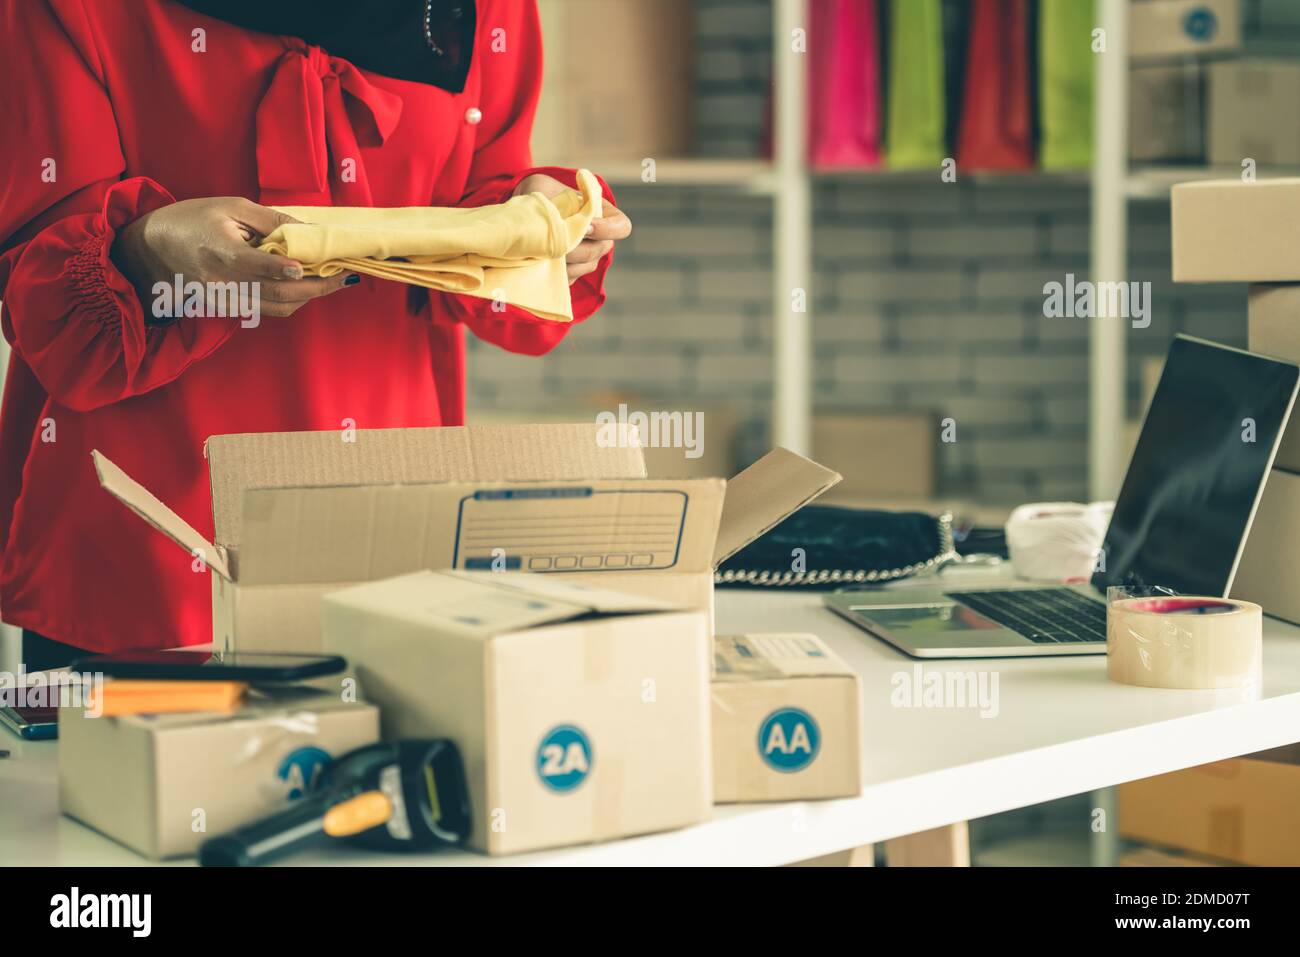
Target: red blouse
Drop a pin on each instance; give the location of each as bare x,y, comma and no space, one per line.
112,109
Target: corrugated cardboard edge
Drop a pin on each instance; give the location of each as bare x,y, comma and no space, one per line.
139,500
777,485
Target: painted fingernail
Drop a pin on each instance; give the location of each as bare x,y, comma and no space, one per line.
352,280
591,229
293,272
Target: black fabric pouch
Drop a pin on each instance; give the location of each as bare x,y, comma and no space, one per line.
824,546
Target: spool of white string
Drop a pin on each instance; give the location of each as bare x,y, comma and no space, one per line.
1057,541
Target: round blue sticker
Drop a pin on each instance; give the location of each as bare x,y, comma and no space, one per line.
1201,24
301,768
564,758
788,740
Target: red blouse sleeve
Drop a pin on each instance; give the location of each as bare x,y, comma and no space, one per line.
511,84
69,314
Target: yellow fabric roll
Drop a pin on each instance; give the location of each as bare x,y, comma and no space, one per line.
513,251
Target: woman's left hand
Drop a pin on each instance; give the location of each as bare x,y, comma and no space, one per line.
601,236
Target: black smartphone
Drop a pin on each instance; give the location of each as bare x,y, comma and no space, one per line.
253,667
32,724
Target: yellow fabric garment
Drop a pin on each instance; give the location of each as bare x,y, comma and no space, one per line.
513,251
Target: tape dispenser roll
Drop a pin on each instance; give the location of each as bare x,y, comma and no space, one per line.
1177,641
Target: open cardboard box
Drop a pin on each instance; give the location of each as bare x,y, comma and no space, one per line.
300,514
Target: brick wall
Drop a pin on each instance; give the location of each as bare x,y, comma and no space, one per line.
926,296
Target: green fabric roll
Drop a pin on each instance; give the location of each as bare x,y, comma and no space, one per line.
1065,68
917,122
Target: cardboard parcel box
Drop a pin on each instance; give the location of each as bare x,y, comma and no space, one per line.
1159,29
301,514
1273,319
581,714
787,720
163,784
1227,230
1241,810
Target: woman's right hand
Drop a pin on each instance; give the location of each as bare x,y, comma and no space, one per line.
209,240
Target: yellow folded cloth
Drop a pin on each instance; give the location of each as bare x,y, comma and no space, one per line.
512,251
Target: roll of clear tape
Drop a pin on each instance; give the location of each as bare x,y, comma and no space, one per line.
1184,642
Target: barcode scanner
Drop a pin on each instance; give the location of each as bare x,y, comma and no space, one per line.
396,796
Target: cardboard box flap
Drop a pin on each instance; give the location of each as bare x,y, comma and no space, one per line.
775,657
562,588
139,500
475,608
360,533
488,453
777,485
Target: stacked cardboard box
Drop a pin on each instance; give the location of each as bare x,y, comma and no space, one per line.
581,714
1235,231
162,784
1241,810
1168,41
1162,29
885,455
1254,112
616,82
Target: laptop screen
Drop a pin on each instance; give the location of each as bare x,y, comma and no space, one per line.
1198,469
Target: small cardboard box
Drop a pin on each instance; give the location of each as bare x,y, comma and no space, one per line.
1228,230
300,514
616,82
581,714
1266,571
1166,113
1254,112
1241,810
1274,324
852,443
163,784
1158,29
787,720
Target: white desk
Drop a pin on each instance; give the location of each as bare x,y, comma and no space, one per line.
1062,729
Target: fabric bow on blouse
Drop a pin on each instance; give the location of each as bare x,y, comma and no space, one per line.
317,108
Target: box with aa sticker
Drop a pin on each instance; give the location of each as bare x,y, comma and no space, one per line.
786,720
581,714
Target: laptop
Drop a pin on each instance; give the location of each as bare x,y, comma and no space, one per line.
1180,521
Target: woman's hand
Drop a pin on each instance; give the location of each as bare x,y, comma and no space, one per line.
209,240
601,236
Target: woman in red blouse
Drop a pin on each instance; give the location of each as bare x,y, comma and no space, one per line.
144,140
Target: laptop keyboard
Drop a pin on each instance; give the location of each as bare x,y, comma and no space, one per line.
1043,615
